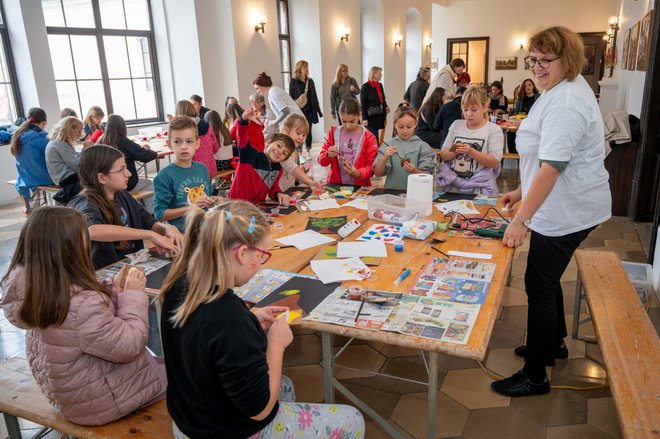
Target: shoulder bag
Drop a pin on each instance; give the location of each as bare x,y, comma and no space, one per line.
301,100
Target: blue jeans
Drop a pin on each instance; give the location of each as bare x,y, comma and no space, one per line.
373,131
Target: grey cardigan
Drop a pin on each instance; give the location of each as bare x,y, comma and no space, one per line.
338,94
61,160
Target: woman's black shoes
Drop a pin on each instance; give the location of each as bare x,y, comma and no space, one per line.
519,384
560,354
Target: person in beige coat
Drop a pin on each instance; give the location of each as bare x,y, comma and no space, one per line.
85,340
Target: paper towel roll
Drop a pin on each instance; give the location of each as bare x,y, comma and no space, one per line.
420,187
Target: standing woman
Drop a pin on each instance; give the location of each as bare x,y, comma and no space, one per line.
344,86
372,101
303,91
416,91
28,145
561,149
280,101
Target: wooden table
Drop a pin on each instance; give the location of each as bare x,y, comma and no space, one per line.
415,256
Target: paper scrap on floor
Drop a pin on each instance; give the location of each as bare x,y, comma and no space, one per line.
316,205
337,270
305,240
361,248
466,207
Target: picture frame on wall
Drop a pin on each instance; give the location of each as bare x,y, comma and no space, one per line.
624,52
589,59
644,41
506,63
632,47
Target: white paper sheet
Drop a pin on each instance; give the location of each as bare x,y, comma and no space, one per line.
466,207
305,240
337,270
470,255
358,203
315,205
375,249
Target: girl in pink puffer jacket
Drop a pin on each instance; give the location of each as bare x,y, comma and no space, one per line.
85,341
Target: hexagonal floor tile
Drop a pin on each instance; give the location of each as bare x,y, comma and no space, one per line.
513,296
450,362
580,372
305,349
579,431
515,316
394,351
307,382
377,392
375,431
471,387
501,423
506,335
411,413
601,413
504,361
412,368
555,408
624,245
360,356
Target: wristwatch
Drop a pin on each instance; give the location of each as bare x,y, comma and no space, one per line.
524,221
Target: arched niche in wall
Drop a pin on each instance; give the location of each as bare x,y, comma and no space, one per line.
372,23
413,43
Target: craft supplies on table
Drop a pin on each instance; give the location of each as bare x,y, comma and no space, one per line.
394,209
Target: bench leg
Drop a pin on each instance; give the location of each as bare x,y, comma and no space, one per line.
578,305
13,429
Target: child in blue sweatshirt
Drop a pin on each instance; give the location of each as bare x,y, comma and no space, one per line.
183,183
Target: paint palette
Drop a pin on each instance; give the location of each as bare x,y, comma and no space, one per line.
387,233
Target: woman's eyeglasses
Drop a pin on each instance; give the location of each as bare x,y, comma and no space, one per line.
118,171
263,254
542,63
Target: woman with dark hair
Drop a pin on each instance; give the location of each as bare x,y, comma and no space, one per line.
527,95
280,101
302,85
373,103
416,91
564,194
497,102
426,120
225,119
28,145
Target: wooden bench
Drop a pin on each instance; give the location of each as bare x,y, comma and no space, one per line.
20,397
627,339
224,174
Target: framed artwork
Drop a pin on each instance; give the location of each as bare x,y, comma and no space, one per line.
434,64
589,59
632,46
506,63
624,51
644,41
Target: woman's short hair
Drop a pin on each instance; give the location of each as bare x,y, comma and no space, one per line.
564,44
373,71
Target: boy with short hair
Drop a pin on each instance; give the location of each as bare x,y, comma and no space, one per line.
183,183
258,173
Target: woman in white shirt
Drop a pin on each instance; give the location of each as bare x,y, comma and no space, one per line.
280,102
564,194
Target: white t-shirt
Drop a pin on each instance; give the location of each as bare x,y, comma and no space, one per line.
565,124
489,139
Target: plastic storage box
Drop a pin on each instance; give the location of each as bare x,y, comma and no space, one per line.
394,209
640,276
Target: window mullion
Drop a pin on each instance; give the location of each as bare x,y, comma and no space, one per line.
105,76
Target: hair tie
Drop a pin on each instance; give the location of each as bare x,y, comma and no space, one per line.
227,215
32,119
251,226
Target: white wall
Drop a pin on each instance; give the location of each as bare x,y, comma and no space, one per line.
413,38
373,36
507,22
631,83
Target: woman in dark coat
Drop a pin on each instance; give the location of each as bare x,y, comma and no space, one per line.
312,109
372,100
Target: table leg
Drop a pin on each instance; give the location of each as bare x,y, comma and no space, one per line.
13,429
433,393
157,164
329,391
577,306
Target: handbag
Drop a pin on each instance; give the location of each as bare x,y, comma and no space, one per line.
375,110
301,100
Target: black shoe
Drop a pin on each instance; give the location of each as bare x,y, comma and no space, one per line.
561,353
519,385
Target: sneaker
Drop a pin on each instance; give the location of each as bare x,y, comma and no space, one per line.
309,155
519,385
561,353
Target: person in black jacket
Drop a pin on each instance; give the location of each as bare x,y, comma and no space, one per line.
426,119
373,103
302,84
449,112
196,100
417,89
115,135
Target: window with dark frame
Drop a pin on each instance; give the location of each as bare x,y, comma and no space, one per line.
285,41
10,102
103,54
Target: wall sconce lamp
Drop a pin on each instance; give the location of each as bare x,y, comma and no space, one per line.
261,26
398,40
610,34
429,43
521,42
346,34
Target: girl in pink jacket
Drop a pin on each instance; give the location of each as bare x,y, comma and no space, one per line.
85,341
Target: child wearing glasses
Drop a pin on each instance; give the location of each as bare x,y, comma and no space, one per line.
184,182
117,223
473,148
228,383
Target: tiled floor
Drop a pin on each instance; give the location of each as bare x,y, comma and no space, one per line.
467,408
